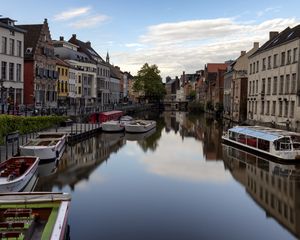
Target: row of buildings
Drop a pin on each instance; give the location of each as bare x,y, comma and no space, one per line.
261,86
42,73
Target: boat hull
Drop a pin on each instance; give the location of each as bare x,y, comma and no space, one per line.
46,154
18,184
256,151
132,128
113,126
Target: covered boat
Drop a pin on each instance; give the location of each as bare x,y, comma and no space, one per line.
16,172
49,147
34,216
271,143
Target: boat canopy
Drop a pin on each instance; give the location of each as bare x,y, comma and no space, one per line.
256,133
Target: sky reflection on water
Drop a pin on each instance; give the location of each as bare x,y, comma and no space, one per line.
178,183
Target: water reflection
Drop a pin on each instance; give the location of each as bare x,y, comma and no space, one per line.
273,186
80,160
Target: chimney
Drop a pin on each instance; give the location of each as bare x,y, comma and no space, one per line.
256,45
74,36
272,35
61,38
88,43
243,53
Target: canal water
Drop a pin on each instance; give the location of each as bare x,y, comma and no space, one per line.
178,182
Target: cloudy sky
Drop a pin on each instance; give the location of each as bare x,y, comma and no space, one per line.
177,35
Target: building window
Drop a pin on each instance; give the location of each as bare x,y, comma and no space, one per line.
275,86
275,60
295,57
4,45
292,109
280,108
289,57
282,58
19,48
269,62
263,87
3,70
264,64
250,69
18,73
274,108
11,46
269,86
255,110
257,64
262,110
287,84
294,83
268,108
286,109
11,71
250,85
253,67
256,87
281,83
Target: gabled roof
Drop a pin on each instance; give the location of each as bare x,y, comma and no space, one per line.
286,35
215,67
114,73
85,48
31,37
61,62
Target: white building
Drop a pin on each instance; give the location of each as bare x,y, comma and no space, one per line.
273,82
12,64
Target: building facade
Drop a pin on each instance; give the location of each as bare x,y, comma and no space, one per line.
12,65
273,83
40,75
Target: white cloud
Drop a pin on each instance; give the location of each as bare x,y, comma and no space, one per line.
130,45
89,21
189,45
268,10
72,13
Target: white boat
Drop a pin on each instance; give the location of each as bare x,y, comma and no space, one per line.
48,147
38,215
16,172
139,136
140,126
271,143
116,125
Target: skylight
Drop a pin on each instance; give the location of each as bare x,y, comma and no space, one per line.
290,35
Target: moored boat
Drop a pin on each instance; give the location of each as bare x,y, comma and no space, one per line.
140,126
271,143
34,216
16,172
116,125
48,147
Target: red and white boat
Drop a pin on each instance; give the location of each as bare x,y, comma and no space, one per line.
16,172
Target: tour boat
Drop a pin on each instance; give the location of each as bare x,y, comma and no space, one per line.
16,172
34,216
48,147
116,125
140,126
271,143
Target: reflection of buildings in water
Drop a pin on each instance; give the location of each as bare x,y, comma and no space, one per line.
171,122
80,160
275,187
206,130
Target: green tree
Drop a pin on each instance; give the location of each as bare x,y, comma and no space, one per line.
149,82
